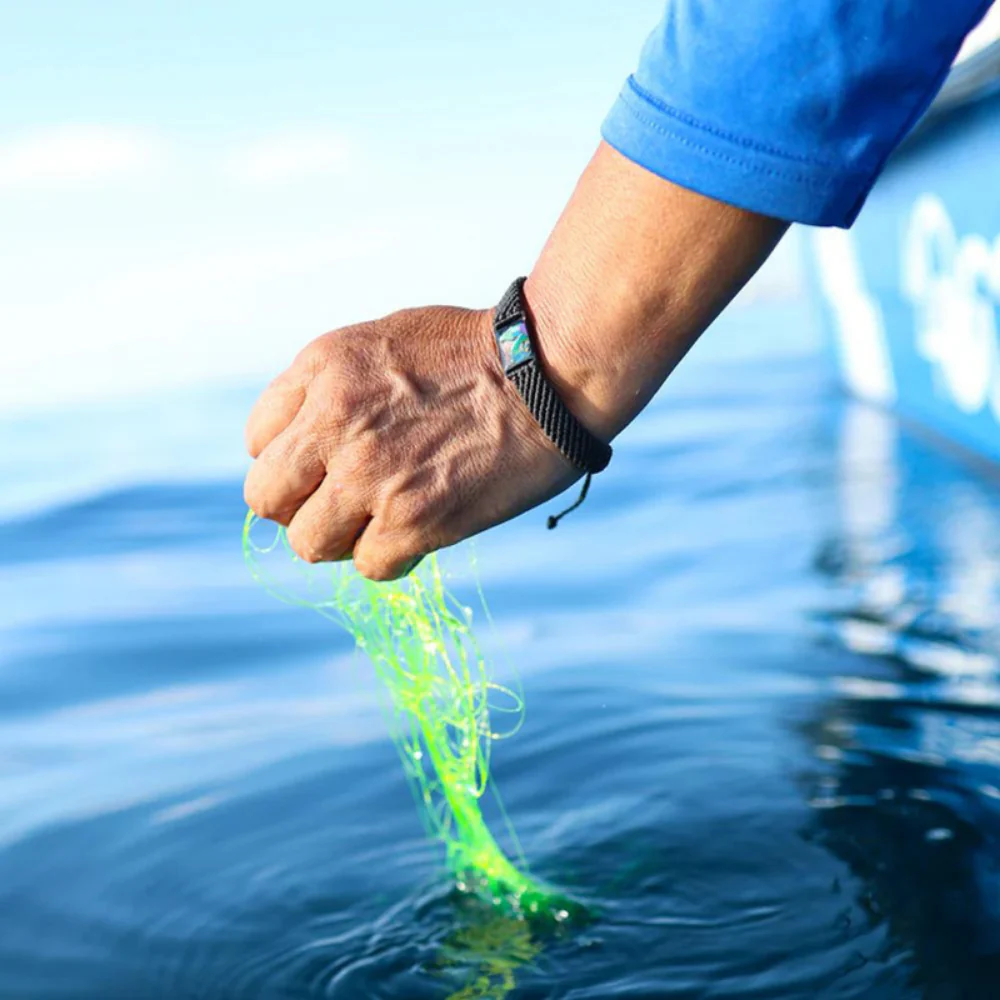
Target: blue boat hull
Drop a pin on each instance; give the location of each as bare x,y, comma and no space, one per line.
911,295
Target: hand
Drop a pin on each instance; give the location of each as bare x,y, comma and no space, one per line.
391,439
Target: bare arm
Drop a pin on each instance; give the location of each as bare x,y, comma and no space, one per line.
635,270
397,437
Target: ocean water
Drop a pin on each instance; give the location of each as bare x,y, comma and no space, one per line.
762,741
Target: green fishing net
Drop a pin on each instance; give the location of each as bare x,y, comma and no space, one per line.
444,706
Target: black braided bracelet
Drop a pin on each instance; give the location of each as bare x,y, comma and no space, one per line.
515,341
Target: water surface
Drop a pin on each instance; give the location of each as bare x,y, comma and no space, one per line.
762,738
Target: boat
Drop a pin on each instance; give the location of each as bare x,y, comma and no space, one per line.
910,295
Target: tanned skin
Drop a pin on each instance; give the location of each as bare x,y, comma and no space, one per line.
391,439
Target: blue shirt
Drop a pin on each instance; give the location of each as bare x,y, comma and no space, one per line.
786,107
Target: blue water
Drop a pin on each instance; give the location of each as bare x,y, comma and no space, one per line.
762,739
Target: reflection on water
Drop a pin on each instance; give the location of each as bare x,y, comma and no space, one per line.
917,554
486,949
907,785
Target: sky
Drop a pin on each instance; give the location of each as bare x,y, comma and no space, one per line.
192,190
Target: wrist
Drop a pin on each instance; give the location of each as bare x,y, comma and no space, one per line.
581,368
633,273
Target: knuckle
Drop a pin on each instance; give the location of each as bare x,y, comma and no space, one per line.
315,355
348,392
324,395
263,499
367,456
255,497
251,441
302,452
305,546
336,401
382,562
410,514
265,508
374,566
257,436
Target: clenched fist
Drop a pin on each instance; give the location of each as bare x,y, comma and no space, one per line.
394,438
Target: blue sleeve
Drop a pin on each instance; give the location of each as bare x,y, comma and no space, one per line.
785,108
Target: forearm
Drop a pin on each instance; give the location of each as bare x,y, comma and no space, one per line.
635,270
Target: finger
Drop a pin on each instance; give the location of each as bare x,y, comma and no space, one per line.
287,472
386,555
327,525
273,412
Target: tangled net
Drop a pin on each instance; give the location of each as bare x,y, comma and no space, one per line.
419,640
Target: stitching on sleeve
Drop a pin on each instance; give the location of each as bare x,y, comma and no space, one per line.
737,140
817,183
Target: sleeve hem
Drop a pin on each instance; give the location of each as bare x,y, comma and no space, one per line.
677,147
